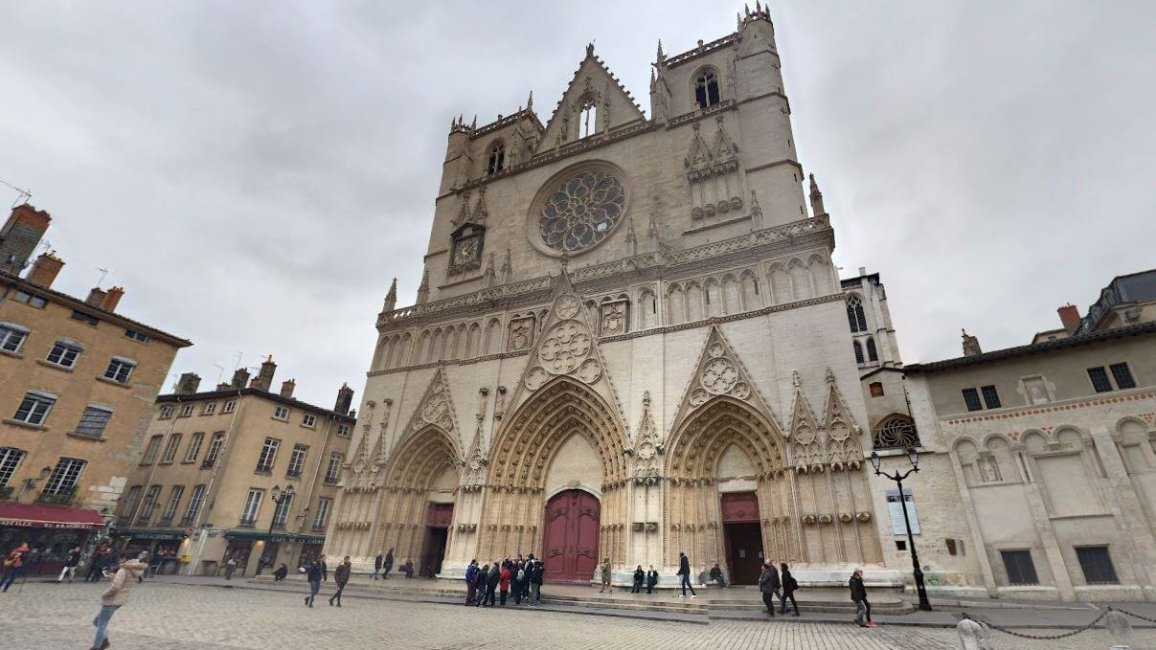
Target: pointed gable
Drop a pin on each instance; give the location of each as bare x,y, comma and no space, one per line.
806,433
844,446
436,408
593,83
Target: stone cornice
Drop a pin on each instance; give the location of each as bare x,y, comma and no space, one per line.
653,331
1028,411
798,234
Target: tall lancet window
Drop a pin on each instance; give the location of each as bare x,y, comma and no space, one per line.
588,119
497,158
706,89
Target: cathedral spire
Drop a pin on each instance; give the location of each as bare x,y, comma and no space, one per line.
423,288
391,297
817,209
661,55
530,101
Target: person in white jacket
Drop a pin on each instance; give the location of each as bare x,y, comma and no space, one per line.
126,578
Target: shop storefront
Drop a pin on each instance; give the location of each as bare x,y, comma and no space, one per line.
53,530
257,552
167,549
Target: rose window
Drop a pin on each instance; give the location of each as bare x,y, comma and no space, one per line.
581,211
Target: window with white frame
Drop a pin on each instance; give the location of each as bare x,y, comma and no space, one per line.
214,450
139,337
167,412
195,501
93,421
12,337
170,510
128,503
64,353
281,413
268,455
281,514
209,408
322,516
35,407
252,507
333,471
10,458
186,411
230,406
297,460
171,449
30,300
194,447
343,430
151,451
64,476
309,420
120,370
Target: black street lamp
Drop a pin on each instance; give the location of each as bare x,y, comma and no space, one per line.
279,496
913,456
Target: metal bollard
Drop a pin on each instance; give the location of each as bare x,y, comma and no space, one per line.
972,635
1119,630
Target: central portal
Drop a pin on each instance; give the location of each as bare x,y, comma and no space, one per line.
570,538
743,536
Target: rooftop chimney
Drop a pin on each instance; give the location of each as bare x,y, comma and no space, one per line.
45,270
95,297
240,378
344,399
1070,317
112,298
188,383
970,345
287,387
264,379
20,236
223,386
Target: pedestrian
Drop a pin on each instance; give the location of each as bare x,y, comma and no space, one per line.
324,569
504,584
651,579
471,578
684,572
70,563
341,577
536,581
377,562
280,573
790,585
859,597
313,574
13,566
639,576
716,574
605,571
387,565
480,581
115,597
492,580
768,585
230,567
518,578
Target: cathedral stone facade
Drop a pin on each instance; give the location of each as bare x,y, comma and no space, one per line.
629,342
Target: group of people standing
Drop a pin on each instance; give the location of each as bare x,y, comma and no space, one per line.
523,577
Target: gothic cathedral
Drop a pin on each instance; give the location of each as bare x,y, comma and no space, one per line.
629,342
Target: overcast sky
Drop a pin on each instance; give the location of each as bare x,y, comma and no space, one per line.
254,173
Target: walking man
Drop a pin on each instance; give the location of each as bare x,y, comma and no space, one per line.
230,567
606,575
340,576
790,585
70,565
859,597
124,581
684,572
313,574
377,562
388,565
536,580
768,585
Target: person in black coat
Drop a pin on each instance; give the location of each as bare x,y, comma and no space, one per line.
481,579
377,562
492,580
280,573
768,585
789,587
639,576
684,572
651,579
859,597
387,564
314,574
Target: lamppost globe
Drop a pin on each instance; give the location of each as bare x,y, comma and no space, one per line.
875,461
913,456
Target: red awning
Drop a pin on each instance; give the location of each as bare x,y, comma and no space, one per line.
34,515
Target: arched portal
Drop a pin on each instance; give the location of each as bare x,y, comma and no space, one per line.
570,536
417,507
537,443
729,499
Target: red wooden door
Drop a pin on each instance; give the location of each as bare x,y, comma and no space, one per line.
570,538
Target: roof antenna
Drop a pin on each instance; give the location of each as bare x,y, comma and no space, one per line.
103,273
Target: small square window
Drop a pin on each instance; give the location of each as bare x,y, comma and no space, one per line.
281,413
876,389
167,412
1097,565
901,545
1122,375
120,370
309,421
343,430
12,337
64,354
1099,378
209,408
93,421
34,408
30,300
1020,568
186,410
990,397
136,336
971,398
229,406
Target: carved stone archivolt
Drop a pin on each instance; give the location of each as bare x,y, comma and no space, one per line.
719,373
436,409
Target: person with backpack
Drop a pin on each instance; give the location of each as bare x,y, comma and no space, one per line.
790,585
651,579
684,574
768,585
639,576
519,580
471,578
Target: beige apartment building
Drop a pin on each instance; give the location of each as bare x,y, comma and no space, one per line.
214,461
77,384
1052,450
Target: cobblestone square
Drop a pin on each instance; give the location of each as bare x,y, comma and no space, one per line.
164,616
